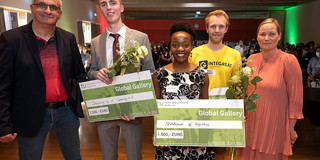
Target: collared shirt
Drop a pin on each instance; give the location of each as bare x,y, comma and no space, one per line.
240,49
55,90
314,66
109,44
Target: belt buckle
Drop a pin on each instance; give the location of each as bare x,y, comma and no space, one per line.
56,105
51,105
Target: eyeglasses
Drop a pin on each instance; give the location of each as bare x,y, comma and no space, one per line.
44,6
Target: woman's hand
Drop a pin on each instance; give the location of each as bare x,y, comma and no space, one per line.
293,136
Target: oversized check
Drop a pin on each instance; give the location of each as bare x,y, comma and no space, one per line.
132,94
217,123
218,93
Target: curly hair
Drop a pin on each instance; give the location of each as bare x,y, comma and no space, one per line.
182,26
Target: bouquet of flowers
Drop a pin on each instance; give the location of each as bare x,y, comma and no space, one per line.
129,60
238,85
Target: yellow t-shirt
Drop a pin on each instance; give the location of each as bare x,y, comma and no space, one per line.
221,65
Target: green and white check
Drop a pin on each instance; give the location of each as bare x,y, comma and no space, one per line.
132,94
218,123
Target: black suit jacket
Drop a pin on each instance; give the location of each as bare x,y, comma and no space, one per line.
22,82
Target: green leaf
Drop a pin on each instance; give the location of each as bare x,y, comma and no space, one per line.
131,67
123,70
130,50
256,79
117,68
251,107
111,72
230,94
253,97
244,82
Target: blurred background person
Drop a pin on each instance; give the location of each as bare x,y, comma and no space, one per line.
85,56
241,48
314,68
156,55
165,57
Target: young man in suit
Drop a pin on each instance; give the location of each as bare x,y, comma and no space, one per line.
40,67
101,58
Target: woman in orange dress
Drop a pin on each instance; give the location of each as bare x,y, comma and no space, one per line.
270,130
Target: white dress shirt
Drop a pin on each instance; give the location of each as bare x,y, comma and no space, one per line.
109,44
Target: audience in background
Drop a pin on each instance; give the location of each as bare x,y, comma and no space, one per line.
303,52
314,69
311,46
241,48
165,57
85,56
156,54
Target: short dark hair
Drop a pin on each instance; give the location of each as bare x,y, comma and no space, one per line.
182,26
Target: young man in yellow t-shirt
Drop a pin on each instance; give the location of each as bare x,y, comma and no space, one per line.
221,61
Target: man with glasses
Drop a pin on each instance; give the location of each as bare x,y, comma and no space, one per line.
40,67
103,54
219,60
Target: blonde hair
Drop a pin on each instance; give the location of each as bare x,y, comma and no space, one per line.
270,20
217,13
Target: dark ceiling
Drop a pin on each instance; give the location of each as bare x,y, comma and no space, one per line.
186,9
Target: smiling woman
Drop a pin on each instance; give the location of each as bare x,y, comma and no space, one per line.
181,80
270,130
269,35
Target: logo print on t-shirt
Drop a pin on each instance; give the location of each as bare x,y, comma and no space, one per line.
203,64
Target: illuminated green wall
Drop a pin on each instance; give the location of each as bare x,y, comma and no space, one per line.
292,26
302,23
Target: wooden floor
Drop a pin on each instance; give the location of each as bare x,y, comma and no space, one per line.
307,146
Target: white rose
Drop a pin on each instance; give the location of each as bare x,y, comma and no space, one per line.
235,79
142,51
247,71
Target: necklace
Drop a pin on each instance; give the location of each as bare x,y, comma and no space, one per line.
266,58
261,65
